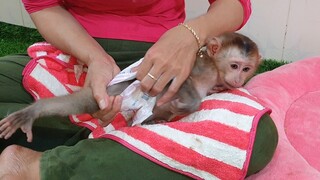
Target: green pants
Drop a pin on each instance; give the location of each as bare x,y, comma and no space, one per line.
67,152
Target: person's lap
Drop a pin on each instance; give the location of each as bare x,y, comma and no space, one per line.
104,156
52,131
48,132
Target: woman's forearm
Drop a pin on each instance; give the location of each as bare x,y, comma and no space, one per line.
222,16
60,29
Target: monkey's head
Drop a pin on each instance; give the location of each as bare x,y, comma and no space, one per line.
236,57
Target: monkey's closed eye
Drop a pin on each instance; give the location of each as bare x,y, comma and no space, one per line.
234,66
246,69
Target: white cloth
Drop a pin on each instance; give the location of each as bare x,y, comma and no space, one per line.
133,98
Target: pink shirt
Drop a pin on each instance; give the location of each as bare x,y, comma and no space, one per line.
140,20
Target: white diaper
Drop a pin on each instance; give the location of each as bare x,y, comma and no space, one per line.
134,100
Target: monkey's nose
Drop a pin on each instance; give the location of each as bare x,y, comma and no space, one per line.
238,85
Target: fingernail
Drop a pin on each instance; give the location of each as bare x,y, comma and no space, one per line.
102,104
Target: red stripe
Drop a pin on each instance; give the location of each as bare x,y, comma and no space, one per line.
183,154
97,132
235,107
84,117
34,85
216,131
119,121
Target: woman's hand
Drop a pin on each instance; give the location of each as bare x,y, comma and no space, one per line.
173,56
107,115
169,60
72,38
100,73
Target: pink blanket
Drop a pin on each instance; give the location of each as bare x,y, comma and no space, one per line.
292,92
214,142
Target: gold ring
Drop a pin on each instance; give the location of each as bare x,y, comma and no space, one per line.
152,77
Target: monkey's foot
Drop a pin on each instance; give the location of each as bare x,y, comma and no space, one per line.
21,119
17,163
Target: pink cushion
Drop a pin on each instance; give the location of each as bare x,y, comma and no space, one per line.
292,92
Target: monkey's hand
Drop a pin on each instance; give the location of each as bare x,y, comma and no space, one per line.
21,119
217,89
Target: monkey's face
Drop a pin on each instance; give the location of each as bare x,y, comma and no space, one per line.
236,58
235,71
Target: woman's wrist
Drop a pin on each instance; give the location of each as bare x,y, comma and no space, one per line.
193,32
187,39
102,57
199,30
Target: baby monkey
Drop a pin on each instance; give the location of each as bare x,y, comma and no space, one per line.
226,62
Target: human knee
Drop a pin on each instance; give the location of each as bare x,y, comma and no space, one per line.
265,144
10,150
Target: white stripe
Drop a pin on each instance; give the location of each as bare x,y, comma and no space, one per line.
244,91
90,136
109,128
234,98
41,53
161,157
75,118
63,57
42,62
208,147
40,44
36,95
223,116
93,125
73,88
49,81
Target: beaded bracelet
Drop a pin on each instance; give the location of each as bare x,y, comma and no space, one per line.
195,36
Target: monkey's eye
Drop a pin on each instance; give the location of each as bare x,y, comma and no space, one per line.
246,69
234,66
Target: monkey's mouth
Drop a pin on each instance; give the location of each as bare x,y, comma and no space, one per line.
225,86
229,86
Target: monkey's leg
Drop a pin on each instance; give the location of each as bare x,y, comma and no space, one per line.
79,102
160,114
188,99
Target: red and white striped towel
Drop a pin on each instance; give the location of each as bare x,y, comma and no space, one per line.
213,143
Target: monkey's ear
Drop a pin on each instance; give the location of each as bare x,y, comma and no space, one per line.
259,59
213,46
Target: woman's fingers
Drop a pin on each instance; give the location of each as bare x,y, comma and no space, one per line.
162,82
160,75
171,91
100,95
107,115
100,73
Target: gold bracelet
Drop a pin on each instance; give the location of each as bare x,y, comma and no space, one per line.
193,33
